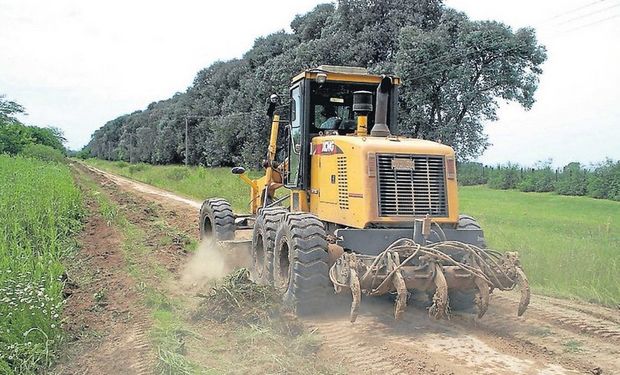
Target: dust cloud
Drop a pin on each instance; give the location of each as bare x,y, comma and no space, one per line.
213,261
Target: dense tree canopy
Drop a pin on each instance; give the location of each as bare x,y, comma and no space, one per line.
15,136
455,70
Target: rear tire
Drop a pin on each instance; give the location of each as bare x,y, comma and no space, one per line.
467,222
301,263
263,243
217,221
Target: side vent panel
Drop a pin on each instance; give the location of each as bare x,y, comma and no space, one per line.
343,187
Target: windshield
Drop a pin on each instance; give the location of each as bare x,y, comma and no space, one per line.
331,107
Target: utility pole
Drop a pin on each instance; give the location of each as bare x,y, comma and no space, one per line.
187,135
186,143
130,148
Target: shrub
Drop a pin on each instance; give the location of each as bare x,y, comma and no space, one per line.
572,181
604,181
177,174
84,153
472,174
42,152
504,177
540,179
121,164
137,168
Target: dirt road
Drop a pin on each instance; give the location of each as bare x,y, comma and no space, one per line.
554,336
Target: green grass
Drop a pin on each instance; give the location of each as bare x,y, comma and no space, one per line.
41,209
194,182
569,246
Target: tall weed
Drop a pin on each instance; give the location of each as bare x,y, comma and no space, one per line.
41,210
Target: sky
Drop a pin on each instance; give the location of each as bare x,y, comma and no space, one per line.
78,64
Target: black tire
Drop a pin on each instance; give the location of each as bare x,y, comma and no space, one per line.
263,243
301,263
217,221
467,222
465,301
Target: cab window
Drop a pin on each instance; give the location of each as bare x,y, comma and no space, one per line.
294,146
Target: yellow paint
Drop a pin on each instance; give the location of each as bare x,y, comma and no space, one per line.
350,197
344,77
299,201
258,185
359,206
362,125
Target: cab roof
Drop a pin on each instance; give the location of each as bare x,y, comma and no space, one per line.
343,74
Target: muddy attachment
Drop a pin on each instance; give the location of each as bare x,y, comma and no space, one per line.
439,268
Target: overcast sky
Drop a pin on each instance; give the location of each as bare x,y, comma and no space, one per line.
77,64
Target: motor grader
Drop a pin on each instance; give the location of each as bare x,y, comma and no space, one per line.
366,210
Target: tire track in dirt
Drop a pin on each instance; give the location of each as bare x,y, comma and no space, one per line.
599,323
499,343
355,350
547,333
129,353
417,344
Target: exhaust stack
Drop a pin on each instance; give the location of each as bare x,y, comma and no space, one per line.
383,94
362,106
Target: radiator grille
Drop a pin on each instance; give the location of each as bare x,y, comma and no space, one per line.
411,185
343,186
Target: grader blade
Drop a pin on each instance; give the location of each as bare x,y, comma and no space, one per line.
436,268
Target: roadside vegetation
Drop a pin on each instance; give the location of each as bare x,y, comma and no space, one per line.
193,182
569,245
601,180
41,210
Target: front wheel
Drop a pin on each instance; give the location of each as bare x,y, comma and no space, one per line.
301,263
217,221
263,241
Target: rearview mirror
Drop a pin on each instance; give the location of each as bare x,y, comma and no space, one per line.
238,170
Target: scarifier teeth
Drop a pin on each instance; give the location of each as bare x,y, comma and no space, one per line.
401,299
439,309
483,296
524,286
356,292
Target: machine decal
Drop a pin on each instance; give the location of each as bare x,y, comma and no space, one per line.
326,148
356,195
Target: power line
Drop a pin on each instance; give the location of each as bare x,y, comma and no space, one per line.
559,15
449,56
593,23
588,14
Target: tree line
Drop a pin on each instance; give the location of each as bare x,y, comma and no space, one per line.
455,72
33,141
601,180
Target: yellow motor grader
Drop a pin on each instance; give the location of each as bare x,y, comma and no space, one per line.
366,210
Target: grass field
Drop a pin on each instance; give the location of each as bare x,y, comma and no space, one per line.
570,246
41,210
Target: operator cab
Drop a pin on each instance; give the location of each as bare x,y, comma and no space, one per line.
321,103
